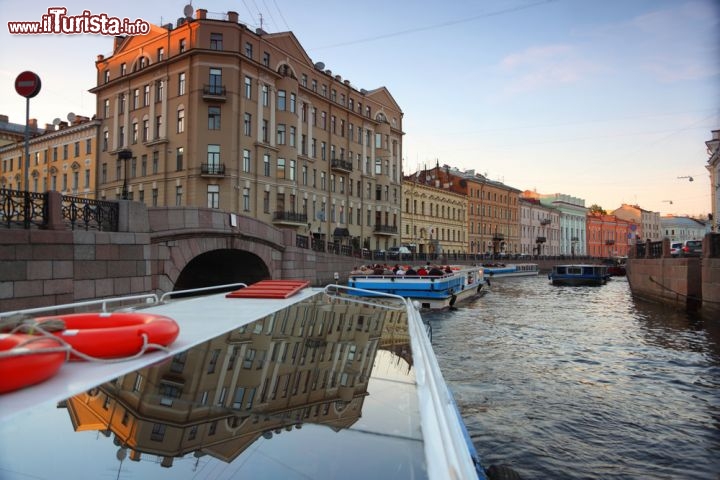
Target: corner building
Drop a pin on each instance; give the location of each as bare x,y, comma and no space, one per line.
217,115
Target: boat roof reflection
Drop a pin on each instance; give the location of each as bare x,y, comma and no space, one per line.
308,388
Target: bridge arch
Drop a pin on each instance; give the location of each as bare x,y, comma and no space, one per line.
221,267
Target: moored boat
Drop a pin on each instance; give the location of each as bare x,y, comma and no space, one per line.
501,270
445,289
579,274
251,387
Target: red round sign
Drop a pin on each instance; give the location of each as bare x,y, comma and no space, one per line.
27,84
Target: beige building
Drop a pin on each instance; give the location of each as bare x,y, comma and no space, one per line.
434,219
539,228
713,167
61,159
646,223
210,113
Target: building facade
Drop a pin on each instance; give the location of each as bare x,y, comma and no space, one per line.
539,228
608,235
210,113
573,213
63,159
680,229
645,225
15,132
713,167
434,220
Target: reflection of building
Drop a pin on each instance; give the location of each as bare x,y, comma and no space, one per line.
223,116
309,363
61,159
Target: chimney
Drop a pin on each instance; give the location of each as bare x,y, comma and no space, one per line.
49,127
233,17
32,122
119,39
4,118
200,14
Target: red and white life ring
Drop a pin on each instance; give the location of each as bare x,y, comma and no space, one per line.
114,335
23,361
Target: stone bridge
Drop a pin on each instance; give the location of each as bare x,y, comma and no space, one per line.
156,250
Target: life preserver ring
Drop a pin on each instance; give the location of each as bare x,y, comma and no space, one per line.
23,361
114,335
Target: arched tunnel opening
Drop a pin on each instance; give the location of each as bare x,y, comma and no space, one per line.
221,267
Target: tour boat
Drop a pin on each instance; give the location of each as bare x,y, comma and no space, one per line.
433,292
299,383
582,274
501,270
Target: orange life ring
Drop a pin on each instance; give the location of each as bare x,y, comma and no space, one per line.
31,365
114,335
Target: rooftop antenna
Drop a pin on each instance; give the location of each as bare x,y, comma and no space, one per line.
261,20
188,10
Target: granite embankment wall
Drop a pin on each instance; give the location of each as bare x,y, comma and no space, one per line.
689,283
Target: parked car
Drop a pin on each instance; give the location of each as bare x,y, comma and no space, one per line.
692,248
401,253
675,249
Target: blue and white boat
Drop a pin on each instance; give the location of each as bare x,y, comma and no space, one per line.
316,384
501,270
582,274
433,292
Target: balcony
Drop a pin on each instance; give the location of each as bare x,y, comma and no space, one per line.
498,237
609,242
212,169
545,221
385,229
215,93
343,166
540,240
293,219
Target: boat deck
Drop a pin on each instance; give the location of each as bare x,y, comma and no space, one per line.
311,386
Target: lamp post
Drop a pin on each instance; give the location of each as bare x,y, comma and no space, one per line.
125,154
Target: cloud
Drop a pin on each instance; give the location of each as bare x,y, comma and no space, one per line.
546,66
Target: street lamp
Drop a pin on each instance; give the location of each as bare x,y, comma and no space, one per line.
125,154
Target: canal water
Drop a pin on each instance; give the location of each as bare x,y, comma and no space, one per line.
583,382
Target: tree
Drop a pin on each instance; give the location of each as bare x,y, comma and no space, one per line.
595,208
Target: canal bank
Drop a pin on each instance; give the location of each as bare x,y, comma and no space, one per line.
684,283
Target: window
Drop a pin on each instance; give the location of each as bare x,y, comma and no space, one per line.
123,69
146,95
246,161
181,83
247,124
178,195
303,80
159,91
266,165
213,158
216,41
136,99
76,147
293,103
281,134
160,54
105,141
215,87
88,146
155,162
246,199
106,108
146,130
158,125
291,171
213,118
265,94
106,76
281,168
143,165
248,50
266,59
181,120
134,132
121,103
266,202
213,196
181,45
292,136
179,154
281,99
265,137
248,87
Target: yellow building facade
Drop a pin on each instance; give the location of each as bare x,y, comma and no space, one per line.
210,113
62,159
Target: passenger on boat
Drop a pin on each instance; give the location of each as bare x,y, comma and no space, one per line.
358,270
411,271
435,271
378,269
448,269
399,270
422,271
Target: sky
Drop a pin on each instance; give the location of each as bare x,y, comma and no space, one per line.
610,102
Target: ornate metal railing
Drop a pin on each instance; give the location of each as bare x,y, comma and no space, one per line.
23,209
90,214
